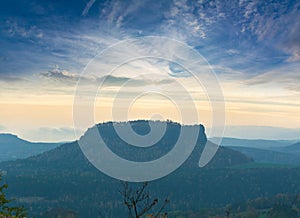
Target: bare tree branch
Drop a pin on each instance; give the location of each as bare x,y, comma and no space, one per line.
138,201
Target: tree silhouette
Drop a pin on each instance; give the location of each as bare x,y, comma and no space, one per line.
139,202
7,211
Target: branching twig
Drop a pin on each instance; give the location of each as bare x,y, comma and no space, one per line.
138,201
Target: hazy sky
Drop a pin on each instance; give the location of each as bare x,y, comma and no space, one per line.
252,46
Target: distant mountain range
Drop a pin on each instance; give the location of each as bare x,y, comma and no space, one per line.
63,177
255,143
270,156
69,155
292,149
12,147
285,152
63,167
261,132
262,151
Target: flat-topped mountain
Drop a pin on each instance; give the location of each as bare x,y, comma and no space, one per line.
69,155
63,177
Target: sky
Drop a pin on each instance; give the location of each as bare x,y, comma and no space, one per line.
50,48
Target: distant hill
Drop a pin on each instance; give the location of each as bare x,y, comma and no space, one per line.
255,143
262,132
285,152
270,156
294,148
12,147
227,157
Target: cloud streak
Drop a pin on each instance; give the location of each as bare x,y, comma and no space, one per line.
46,134
87,7
66,78
286,77
11,78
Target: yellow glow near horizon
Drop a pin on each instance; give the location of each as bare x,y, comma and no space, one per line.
22,112
17,117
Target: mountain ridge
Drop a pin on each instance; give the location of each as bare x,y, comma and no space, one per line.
12,147
255,143
72,149
64,177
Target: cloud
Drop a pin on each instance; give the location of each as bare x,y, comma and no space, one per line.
27,52
164,82
15,28
207,25
196,21
119,81
87,7
46,134
57,74
232,51
11,78
178,71
182,20
287,77
254,34
275,24
113,81
116,12
67,78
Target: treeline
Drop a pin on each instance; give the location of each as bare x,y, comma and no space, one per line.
278,206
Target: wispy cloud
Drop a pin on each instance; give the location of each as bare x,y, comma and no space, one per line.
287,77
177,71
119,81
275,24
63,78
60,75
15,28
11,78
46,134
87,7
181,15
116,12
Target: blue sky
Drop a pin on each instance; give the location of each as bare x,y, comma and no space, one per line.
252,36
253,46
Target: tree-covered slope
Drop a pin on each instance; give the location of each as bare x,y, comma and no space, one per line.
12,147
64,178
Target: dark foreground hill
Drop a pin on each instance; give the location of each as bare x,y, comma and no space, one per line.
63,177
